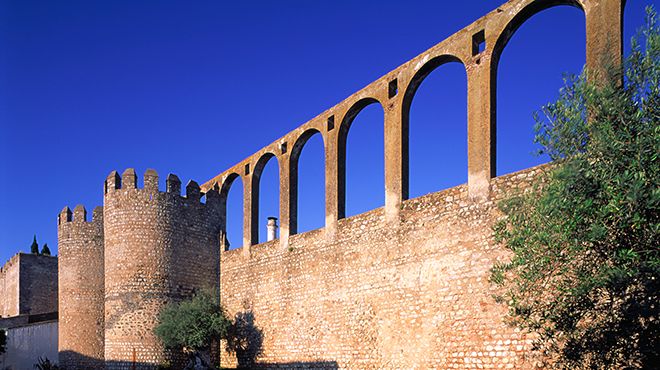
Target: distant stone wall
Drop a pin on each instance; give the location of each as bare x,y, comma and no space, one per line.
411,295
9,280
28,285
38,284
81,289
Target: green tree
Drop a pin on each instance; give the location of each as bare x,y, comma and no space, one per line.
193,325
34,248
585,267
45,250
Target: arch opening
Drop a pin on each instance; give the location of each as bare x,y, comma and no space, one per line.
265,195
307,183
435,102
362,167
529,75
231,198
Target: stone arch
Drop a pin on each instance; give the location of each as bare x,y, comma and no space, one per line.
342,137
255,190
523,15
520,18
419,77
224,195
408,96
294,160
226,184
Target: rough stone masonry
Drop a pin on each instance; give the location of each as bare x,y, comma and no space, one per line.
400,287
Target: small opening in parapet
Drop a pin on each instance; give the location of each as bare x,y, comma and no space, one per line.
283,148
247,169
478,42
392,89
331,123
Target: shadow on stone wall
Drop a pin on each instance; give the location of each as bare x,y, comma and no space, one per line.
245,340
95,364
82,361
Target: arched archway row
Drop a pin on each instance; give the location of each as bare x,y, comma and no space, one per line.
478,47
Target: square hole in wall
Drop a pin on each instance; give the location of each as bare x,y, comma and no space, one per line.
331,123
392,88
283,148
478,42
247,169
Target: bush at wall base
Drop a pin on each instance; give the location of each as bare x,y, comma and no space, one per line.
45,364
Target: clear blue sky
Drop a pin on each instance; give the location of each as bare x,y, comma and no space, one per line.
194,87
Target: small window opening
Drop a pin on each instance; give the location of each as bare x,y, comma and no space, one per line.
247,169
478,42
392,88
331,123
283,148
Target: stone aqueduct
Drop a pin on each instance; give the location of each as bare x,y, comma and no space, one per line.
402,286
478,48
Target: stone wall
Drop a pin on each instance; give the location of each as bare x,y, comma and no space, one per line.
38,284
27,343
411,295
81,288
28,285
9,280
159,247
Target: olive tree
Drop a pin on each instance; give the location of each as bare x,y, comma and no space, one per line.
193,325
584,273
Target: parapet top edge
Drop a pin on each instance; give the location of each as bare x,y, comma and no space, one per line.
79,215
129,180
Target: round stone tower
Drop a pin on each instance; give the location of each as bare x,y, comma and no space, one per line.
160,247
80,286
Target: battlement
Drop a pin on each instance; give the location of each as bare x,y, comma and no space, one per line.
13,260
128,181
79,215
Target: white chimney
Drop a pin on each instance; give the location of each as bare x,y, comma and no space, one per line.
272,228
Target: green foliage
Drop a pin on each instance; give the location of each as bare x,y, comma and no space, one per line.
193,324
45,250
3,341
166,365
45,364
34,248
585,267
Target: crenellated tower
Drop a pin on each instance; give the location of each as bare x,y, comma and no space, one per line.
159,247
81,288
142,249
